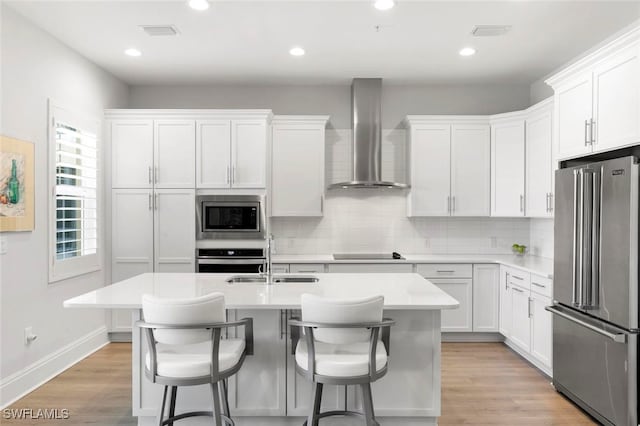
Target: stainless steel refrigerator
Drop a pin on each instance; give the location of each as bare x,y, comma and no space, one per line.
595,322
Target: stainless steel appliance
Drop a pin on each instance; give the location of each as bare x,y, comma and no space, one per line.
230,217
595,326
230,260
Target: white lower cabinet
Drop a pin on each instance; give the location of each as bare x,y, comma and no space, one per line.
486,295
520,319
306,268
524,322
259,388
364,268
461,289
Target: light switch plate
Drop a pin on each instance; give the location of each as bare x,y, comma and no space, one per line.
3,244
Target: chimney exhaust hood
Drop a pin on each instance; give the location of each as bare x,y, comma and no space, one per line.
366,114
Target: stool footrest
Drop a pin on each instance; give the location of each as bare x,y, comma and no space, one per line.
225,419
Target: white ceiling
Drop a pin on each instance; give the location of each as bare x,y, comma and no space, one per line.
248,41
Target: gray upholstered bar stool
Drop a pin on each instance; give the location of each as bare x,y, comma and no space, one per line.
185,348
340,346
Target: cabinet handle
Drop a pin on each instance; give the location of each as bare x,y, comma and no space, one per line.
538,285
155,175
506,281
150,175
593,132
233,174
150,202
550,202
448,204
156,202
518,290
546,201
453,204
521,203
302,271
321,204
445,272
529,300
228,174
283,324
586,139
517,277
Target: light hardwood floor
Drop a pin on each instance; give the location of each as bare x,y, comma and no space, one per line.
482,384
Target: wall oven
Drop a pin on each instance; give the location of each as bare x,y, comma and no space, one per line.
230,217
224,260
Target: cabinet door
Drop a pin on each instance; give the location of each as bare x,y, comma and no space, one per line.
430,170
457,319
541,329
306,268
505,303
132,153
280,268
131,243
175,229
539,166
616,113
470,170
248,153
520,314
486,296
299,387
174,153
573,107
213,154
259,388
507,169
297,170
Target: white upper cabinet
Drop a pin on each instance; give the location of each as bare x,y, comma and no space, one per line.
131,153
231,153
248,153
450,166
297,165
213,153
616,101
430,158
573,116
508,166
597,99
470,170
174,153
539,156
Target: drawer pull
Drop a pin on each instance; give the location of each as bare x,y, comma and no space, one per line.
517,277
518,290
445,272
309,271
538,285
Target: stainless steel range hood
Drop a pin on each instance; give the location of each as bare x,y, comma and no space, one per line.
366,113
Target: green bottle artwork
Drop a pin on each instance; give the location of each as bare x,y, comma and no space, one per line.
13,187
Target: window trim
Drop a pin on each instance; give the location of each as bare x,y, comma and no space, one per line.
60,270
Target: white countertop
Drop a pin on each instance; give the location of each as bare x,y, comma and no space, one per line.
535,264
400,291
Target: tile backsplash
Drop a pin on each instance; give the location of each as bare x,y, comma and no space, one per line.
541,237
376,221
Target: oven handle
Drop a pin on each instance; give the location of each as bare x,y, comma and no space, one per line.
230,261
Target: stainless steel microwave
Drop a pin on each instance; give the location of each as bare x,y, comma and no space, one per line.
230,217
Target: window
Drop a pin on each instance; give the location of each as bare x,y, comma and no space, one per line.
75,194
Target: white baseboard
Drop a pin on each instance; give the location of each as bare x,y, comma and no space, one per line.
33,376
471,337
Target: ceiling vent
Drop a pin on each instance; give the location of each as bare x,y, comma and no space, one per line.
490,30
159,30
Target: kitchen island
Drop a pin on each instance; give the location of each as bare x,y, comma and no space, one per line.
267,390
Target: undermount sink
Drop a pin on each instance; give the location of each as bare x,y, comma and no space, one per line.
275,279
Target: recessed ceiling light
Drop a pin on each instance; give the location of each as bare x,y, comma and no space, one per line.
384,4
132,52
467,51
199,4
297,51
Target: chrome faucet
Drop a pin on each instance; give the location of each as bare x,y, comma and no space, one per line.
268,270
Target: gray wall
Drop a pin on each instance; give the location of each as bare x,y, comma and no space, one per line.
398,101
540,91
36,67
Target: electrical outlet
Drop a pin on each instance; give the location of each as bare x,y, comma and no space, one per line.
29,337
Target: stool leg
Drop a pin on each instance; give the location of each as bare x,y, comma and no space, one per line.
172,403
367,402
315,409
162,406
224,391
216,404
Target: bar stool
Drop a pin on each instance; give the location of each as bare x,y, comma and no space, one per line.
340,347
185,348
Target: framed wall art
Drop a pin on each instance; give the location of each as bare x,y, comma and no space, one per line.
16,185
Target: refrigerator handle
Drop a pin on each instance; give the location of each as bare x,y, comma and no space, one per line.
586,240
596,218
616,337
577,246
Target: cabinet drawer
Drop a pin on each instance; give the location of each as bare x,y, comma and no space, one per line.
541,285
445,270
519,278
306,268
280,268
